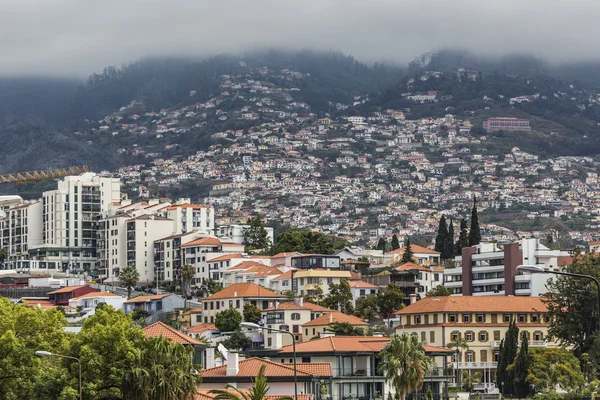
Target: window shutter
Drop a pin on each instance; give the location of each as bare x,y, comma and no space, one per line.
494,318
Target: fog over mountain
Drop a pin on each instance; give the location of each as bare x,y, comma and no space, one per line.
72,38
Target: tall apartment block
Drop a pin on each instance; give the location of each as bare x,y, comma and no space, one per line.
20,228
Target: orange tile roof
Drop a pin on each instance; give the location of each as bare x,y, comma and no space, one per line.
411,266
159,329
362,285
288,305
285,275
96,294
143,299
336,316
68,289
225,257
436,349
205,241
316,307
246,265
286,254
40,303
193,311
206,395
475,304
369,344
247,289
415,249
250,367
192,206
320,369
202,328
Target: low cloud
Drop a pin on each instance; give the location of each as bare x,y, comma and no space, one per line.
78,37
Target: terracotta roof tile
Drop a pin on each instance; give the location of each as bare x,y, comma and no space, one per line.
316,307
143,299
160,329
287,254
411,266
192,206
320,369
340,344
196,310
206,395
68,289
250,367
475,304
206,241
335,316
288,305
225,257
202,328
285,275
96,294
362,285
415,249
248,289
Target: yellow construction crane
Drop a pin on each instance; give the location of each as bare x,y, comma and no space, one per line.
21,177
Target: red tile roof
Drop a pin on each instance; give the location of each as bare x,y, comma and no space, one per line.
143,299
287,254
97,294
473,304
196,310
247,289
369,344
316,307
415,249
206,241
202,328
250,367
68,289
206,395
225,257
336,316
362,285
159,329
411,266
192,206
288,305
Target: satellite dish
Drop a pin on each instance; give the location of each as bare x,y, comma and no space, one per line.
223,350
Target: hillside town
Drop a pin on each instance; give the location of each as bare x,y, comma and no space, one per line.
362,176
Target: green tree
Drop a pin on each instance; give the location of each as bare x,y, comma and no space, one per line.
228,320
506,356
520,370
251,313
166,372
345,329
237,340
439,291
475,231
391,300
381,243
289,294
442,236
307,241
316,297
449,246
339,297
408,255
573,307
469,379
552,366
463,237
256,235
366,307
395,242
129,277
459,345
258,391
404,364
187,274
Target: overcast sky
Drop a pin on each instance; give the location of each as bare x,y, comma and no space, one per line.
78,37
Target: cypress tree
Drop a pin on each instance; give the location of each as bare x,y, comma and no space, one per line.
521,370
381,244
442,236
506,356
474,232
463,237
395,242
450,241
408,255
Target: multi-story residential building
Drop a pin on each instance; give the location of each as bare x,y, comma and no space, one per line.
487,269
308,282
62,296
312,261
506,124
289,316
481,320
212,257
422,255
361,289
88,302
165,302
168,256
235,296
235,233
188,217
318,327
20,228
69,227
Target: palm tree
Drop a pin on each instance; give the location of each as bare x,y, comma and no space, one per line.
458,344
129,277
404,364
187,273
258,391
470,379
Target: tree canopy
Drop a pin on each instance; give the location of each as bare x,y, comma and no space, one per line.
251,313
339,297
228,320
438,291
475,231
407,255
307,241
256,236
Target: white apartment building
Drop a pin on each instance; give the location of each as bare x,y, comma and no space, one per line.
235,233
69,215
20,228
188,217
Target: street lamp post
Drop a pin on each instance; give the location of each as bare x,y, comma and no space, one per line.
254,326
534,269
41,353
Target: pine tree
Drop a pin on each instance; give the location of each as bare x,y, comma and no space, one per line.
408,255
506,356
449,247
474,232
521,370
463,237
395,242
381,244
442,236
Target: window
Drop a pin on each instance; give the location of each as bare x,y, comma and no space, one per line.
452,317
535,318
466,318
295,316
469,336
417,319
507,318
483,355
496,355
496,335
538,336
423,337
483,336
470,356
296,328
494,318
431,336
455,335
480,317
522,318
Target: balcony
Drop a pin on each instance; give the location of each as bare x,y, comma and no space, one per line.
475,365
531,343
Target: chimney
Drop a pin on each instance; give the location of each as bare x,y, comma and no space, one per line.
234,294
277,305
233,366
299,301
330,317
413,298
